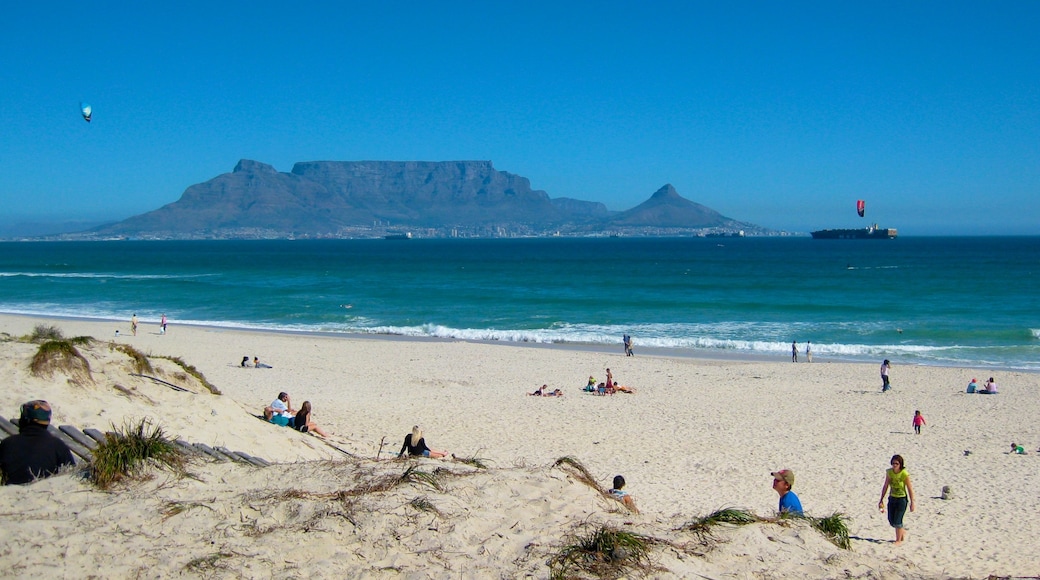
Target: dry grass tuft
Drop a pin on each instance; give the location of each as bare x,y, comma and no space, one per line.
193,372
578,471
44,332
140,362
60,356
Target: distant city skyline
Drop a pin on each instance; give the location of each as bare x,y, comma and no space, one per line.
782,115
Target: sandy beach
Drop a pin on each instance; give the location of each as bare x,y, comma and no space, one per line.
697,435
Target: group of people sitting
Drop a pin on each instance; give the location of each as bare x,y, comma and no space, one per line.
607,387
990,388
280,412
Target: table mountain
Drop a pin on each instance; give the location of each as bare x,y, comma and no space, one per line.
351,197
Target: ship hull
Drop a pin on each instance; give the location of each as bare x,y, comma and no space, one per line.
856,234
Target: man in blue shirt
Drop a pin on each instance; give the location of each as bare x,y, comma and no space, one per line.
783,481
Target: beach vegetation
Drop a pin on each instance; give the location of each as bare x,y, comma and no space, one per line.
578,471
191,370
474,461
207,564
129,449
45,332
835,528
60,356
423,504
603,552
174,508
139,361
415,475
703,526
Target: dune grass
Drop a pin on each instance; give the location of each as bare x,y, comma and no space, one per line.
140,362
60,356
704,526
579,472
129,449
835,528
191,370
44,332
603,552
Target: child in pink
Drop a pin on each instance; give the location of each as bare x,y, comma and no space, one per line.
918,421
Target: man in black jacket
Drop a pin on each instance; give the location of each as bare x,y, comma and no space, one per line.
33,453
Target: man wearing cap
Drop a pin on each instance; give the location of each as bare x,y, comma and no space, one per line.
33,453
783,481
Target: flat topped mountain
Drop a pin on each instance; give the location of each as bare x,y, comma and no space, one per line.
346,197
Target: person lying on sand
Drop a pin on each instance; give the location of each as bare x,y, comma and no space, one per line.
415,445
623,388
540,392
556,393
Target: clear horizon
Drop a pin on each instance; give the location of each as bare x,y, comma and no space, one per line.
782,116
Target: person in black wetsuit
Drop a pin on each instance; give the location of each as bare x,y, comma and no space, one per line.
33,453
414,444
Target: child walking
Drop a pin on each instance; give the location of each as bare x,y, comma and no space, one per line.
918,421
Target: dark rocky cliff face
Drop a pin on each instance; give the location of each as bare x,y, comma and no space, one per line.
327,197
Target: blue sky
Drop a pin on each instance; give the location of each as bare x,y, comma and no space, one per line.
780,114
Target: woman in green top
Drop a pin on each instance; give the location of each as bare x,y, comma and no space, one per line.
897,479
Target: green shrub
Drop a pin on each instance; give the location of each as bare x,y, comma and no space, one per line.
605,552
128,450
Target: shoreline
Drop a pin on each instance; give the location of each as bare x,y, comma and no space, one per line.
708,355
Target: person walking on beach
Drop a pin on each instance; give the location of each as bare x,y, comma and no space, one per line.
783,481
162,324
133,324
899,489
794,351
808,351
918,422
885,367
628,346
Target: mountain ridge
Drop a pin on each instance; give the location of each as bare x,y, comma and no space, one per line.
368,198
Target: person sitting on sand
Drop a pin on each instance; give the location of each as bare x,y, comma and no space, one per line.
1018,449
280,411
591,386
622,496
415,444
303,423
33,453
990,388
245,361
540,392
972,386
783,481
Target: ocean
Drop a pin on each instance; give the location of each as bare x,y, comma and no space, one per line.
971,301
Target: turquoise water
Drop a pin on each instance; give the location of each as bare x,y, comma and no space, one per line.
963,301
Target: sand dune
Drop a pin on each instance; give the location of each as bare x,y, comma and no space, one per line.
698,435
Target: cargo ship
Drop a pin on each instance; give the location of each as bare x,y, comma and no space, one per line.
871,233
